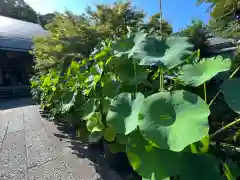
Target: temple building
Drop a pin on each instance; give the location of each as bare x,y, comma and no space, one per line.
15,60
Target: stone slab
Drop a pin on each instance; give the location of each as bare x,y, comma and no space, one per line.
4,120
40,149
13,160
16,121
32,118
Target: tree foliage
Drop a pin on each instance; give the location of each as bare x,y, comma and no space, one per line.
115,18
153,26
69,39
72,37
225,17
46,18
198,34
18,9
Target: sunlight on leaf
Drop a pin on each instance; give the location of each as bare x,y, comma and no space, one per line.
195,75
173,132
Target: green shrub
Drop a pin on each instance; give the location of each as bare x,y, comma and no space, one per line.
153,116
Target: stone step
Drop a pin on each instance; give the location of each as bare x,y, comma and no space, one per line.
15,92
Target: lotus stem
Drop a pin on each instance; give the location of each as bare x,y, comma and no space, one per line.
161,81
162,75
214,98
225,127
205,92
161,19
234,72
135,74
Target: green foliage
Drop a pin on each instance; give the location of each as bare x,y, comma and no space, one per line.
74,37
123,112
169,52
114,19
153,26
169,126
225,15
197,32
70,40
206,69
154,163
18,9
165,134
46,18
231,94
94,122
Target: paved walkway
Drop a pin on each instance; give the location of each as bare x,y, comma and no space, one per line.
32,148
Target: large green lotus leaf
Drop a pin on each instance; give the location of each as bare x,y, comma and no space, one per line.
153,163
168,52
131,74
110,86
138,38
174,120
199,147
195,75
199,167
87,108
231,90
128,45
123,45
94,122
123,112
67,101
122,139
109,133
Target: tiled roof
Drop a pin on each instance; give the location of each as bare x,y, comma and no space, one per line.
17,35
219,40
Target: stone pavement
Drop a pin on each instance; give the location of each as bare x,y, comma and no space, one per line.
32,148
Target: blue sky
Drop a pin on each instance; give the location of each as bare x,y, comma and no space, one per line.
178,13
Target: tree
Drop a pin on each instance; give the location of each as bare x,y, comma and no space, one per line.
114,19
74,37
225,17
18,9
46,18
70,39
153,26
197,33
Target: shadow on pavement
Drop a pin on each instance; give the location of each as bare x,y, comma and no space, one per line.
93,152
102,159
16,103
